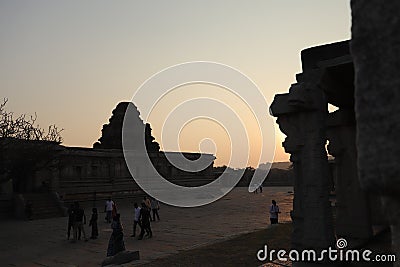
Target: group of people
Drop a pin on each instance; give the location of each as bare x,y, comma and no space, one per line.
142,218
77,220
259,188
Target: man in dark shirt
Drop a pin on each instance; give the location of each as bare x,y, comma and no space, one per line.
79,221
144,219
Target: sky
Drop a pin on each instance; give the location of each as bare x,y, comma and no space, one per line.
71,62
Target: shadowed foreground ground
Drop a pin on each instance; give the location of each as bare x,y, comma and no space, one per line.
43,242
239,251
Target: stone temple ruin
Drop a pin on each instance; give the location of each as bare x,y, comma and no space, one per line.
361,79
92,174
327,77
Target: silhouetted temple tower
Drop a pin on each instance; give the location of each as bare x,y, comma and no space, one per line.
111,137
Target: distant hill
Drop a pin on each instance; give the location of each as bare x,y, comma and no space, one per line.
276,165
279,174
279,177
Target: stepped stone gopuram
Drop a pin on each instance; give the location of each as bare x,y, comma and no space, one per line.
112,132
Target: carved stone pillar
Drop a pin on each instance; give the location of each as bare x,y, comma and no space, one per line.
290,125
302,117
352,208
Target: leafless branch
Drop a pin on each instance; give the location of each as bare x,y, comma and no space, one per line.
25,127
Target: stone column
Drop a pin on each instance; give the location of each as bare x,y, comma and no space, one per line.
376,53
289,123
352,207
301,116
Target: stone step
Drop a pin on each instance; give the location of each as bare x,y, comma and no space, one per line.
43,205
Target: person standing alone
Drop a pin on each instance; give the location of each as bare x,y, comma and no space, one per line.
93,224
155,206
109,209
136,219
273,212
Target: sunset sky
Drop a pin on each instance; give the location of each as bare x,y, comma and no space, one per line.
71,62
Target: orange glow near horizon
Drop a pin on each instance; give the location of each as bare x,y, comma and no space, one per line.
73,62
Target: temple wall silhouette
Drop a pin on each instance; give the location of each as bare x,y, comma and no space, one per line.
93,174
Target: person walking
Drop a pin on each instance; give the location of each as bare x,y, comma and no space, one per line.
274,211
79,221
146,201
70,220
136,218
144,219
155,206
93,224
108,208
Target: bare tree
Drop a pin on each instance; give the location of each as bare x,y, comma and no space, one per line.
25,147
24,127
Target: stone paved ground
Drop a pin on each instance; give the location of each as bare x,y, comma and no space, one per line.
43,242
237,251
